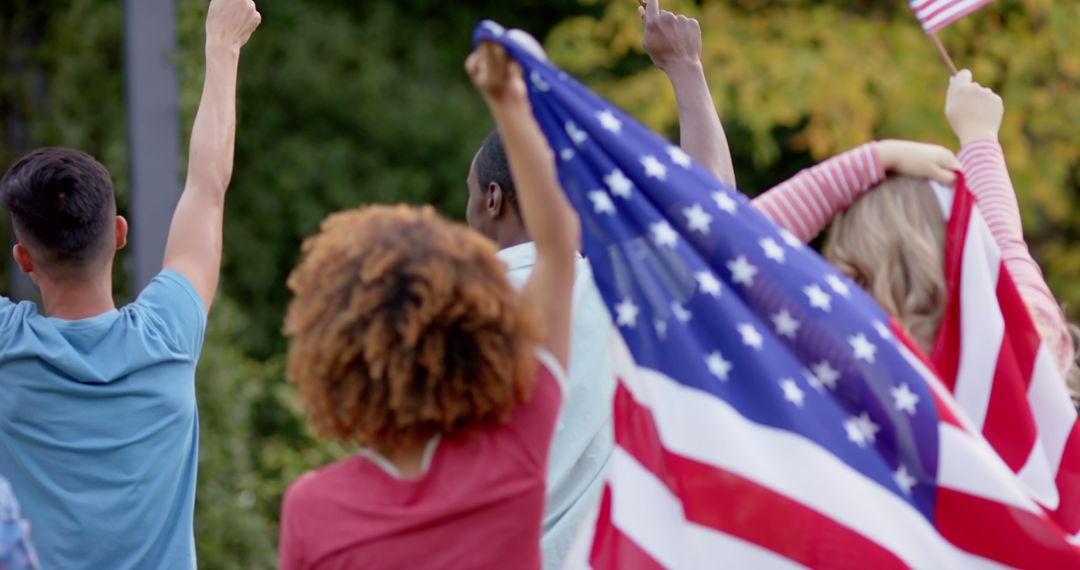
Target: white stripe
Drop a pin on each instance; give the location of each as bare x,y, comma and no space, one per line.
968,464
1037,477
982,326
824,483
646,511
1053,410
1054,420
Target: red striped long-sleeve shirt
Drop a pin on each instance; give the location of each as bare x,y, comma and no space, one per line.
808,202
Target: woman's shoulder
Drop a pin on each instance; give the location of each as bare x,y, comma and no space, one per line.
319,484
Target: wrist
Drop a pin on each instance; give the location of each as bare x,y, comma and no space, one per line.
887,154
508,105
680,68
221,47
968,137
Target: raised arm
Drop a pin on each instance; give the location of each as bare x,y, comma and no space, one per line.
975,114
674,44
552,222
194,245
807,203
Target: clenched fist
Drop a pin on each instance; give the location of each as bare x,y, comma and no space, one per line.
670,39
974,112
495,75
231,22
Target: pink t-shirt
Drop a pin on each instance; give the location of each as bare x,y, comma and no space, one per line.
479,503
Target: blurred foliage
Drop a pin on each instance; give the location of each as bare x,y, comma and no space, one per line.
811,78
345,103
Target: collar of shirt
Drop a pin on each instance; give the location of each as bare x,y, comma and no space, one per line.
521,256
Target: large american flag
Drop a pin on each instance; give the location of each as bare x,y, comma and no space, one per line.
936,14
767,414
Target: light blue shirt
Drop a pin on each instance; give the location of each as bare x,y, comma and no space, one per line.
584,440
99,432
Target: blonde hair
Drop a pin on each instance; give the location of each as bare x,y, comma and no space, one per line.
403,326
892,243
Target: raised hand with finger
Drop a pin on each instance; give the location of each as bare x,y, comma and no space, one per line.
670,39
673,41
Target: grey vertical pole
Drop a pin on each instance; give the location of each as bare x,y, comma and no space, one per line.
153,118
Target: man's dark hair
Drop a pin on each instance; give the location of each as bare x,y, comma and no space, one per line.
492,166
62,206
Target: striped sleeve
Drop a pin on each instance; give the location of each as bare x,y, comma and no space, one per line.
988,178
807,203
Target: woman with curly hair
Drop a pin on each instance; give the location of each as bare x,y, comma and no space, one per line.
408,339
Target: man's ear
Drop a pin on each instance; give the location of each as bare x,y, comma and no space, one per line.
22,258
495,198
121,232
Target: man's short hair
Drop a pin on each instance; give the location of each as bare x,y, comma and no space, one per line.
62,206
492,166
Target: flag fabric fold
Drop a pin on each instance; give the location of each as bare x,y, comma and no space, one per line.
767,412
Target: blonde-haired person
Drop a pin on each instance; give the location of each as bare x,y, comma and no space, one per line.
408,339
902,222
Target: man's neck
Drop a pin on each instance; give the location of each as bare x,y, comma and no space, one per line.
71,300
511,238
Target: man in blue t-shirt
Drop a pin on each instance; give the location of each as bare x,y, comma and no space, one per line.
98,425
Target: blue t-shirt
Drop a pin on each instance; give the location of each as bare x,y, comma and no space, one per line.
98,428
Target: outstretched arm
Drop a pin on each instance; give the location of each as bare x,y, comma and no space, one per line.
807,203
674,44
553,224
194,245
975,114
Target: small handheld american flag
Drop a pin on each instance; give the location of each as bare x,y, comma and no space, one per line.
767,415
936,14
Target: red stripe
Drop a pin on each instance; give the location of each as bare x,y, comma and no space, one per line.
1010,427
729,503
1068,483
946,352
613,550
1008,535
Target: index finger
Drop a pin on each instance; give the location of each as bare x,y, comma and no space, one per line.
652,9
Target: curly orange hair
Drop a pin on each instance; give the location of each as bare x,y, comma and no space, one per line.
403,325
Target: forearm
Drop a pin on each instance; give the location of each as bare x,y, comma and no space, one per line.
550,220
702,133
989,181
210,155
808,202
